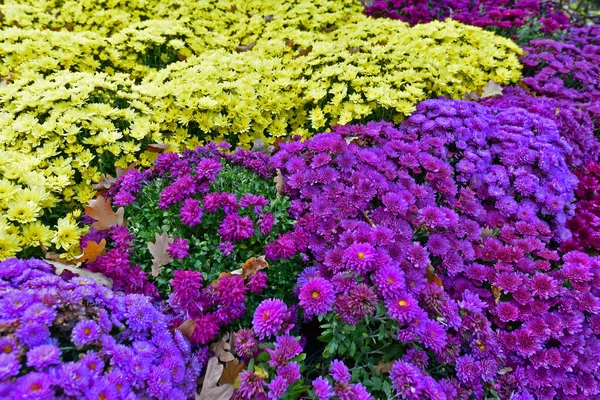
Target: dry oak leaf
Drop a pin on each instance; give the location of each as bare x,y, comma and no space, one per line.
92,251
432,277
221,350
492,89
157,147
259,146
49,255
231,372
107,181
251,266
210,389
100,210
279,182
497,292
187,328
158,249
383,367
243,48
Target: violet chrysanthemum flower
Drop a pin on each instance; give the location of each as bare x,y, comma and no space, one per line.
251,385
179,248
85,332
9,366
43,356
356,304
316,296
403,307
339,371
266,223
406,379
282,247
257,282
253,200
234,228
434,336
360,258
226,248
277,387
191,212
286,348
245,343
269,317
467,368
290,372
322,388
389,281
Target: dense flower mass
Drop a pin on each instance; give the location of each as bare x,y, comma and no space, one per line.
499,14
456,212
70,338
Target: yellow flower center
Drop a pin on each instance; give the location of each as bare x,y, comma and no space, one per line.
266,316
315,294
360,255
402,303
8,349
87,331
35,387
390,280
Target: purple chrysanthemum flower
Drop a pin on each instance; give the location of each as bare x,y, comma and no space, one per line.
191,212
245,343
467,368
339,371
85,332
316,296
286,348
234,228
253,200
266,223
251,385
290,372
226,248
322,388
43,356
270,317
406,379
257,282
360,257
277,387
389,281
403,307
9,366
33,334
179,248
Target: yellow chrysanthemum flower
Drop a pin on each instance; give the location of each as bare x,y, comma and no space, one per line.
23,211
9,245
67,234
34,233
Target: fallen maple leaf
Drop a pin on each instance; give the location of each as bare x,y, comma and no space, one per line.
187,328
492,89
107,181
221,349
432,276
210,389
158,249
251,266
231,372
101,210
92,251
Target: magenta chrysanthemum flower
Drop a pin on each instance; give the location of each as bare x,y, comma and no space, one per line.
226,248
269,317
403,307
316,296
322,388
266,223
191,212
179,248
339,371
85,332
286,348
251,385
389,281
406,379
360,257
245,343
234,228
249,200
257,282
290,372
277,387
434,336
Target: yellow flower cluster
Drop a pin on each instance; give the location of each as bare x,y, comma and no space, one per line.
85,86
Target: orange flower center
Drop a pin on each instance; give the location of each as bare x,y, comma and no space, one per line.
402,303
35,387
8,349
87,331
266,316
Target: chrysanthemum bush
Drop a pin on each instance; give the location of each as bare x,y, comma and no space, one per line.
70,337
434,251
515,18
567,69
211,212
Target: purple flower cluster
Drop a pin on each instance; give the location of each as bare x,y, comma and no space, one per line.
585,225
76,339
476,196
503,14
568,69
342,388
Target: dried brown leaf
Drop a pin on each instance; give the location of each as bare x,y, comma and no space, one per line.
210,389
157,147
383,367
243,48
259,146
251,266
187,328
231,372
304,52
497,292
92,251
100,210
432,276
158,249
